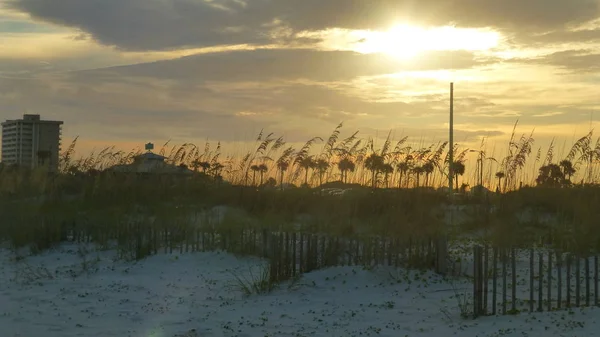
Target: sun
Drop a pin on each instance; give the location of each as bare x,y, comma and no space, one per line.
406,42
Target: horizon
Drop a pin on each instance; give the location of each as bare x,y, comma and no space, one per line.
124,73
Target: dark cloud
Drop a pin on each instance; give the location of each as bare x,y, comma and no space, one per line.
162,24
286,64
558,37
575,60
572,61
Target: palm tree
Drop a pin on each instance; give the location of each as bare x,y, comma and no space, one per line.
374,163
403,168
322,166
306,164
567,169
500,175
418,170
254,168
428,170
387,169
282,166
550,175
344,166
458,168
262,169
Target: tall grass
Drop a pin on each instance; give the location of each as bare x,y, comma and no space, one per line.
393,191
401,162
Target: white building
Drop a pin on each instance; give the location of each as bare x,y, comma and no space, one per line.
31,142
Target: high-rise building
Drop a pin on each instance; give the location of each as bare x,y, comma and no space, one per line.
31,142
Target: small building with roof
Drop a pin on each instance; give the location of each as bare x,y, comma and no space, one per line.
150,163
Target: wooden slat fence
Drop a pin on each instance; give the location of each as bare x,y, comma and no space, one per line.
511,280
290,253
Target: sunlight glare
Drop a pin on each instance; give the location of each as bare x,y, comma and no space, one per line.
405,42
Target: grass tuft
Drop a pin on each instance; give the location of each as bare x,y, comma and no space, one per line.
256,283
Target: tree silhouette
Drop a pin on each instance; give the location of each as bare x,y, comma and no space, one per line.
374,163
344,166
458,168
567,169
550,175
282,166
499,175
306,164
262,169
271,182
321,165
418,170
428,168
403,168
254,168
387,169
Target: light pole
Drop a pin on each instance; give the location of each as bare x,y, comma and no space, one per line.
442,244
451,141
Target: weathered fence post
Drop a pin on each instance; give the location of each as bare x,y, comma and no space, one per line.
504,280
513,285
494,279
486,268
476,292
549,297
442,255
531,278
596,280
559,279
540,282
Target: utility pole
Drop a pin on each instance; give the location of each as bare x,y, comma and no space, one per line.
442,242
451,153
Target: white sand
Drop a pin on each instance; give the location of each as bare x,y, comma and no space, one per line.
192,295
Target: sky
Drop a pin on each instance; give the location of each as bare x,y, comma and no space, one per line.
127,72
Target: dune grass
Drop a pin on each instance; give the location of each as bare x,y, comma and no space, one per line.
391,191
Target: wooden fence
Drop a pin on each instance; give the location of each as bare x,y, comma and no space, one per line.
510,281
289,253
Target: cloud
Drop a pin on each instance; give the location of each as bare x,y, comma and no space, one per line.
558,37
548,114
210,96
573,61
299,92
162,24
286,64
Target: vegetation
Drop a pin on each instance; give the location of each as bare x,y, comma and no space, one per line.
393,190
